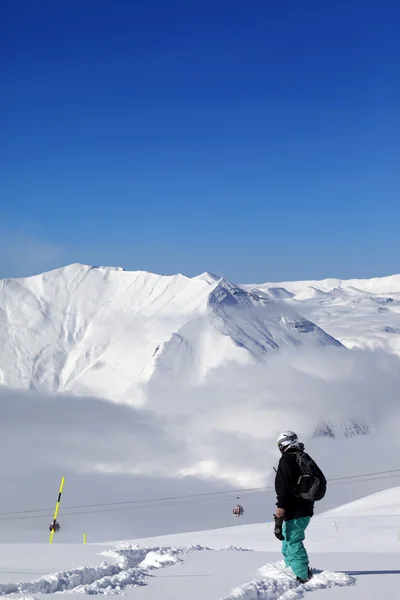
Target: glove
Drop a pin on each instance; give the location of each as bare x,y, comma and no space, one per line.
278,528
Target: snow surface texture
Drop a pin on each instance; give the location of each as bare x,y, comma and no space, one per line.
359,563
276,582
104,331
131,566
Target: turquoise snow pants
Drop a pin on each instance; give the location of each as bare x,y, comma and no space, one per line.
293,550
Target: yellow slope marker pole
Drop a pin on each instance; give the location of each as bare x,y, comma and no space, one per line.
84,537
56,510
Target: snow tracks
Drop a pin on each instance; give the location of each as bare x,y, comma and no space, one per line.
130,567
276,582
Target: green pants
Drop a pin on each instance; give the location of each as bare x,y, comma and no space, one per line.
293,548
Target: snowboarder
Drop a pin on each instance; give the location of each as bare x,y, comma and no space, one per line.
298,484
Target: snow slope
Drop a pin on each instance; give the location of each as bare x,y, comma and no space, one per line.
349,562
104,331
385,503
370,517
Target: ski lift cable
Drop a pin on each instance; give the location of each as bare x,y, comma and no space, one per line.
118,509
147,500
206,496
147,506
182,499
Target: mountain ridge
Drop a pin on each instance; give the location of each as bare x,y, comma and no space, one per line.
105,331
384,285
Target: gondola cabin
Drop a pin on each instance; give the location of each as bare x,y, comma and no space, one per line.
238,510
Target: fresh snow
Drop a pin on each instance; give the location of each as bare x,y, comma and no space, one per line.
384,504
238,563
129,566
275,582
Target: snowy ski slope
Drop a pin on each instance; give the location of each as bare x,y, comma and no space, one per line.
349,562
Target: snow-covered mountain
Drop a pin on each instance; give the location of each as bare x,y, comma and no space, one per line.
360,313
105,331
376,285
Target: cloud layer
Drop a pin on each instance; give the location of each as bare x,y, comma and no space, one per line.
216,436
229,425
224,429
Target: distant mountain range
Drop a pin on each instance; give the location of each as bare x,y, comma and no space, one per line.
104,331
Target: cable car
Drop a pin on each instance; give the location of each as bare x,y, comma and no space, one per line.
238,510
54,525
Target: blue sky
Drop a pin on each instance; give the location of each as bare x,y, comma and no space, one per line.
258,140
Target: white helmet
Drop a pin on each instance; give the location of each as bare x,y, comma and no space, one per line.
286,439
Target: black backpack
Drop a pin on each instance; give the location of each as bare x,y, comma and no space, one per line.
311,484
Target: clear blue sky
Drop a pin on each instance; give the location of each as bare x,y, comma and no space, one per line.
258,140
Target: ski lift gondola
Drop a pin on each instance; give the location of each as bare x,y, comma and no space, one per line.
238,509
54,525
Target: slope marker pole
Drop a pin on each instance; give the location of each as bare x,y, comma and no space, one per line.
84,537
56,510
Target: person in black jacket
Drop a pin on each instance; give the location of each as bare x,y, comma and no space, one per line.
296,512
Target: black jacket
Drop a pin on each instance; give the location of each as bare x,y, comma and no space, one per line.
287,475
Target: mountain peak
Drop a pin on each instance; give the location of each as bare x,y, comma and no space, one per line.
208,277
